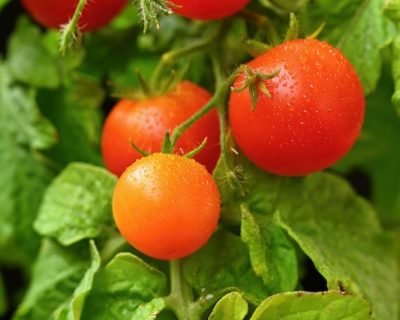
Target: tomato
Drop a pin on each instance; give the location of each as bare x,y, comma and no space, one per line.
166,206
145,123
314,116
208,9
55,13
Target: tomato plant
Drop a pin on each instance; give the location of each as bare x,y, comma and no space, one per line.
145,123
54,14
167,239
313,117
166,206
208,9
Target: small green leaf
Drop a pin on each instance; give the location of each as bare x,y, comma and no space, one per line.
77,205
330,305
127,288
293,31
231,307
73,309
211,270
272,256
56,274
256,48
29,60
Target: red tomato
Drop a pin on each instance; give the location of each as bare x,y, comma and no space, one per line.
208,9
166,206
145,123
55,13
314,116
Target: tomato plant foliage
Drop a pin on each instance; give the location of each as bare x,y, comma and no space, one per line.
56,217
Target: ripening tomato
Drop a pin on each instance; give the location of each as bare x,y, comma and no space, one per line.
145,123
208,9
55,13
314,116
166,206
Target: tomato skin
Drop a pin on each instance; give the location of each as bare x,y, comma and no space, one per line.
208,9
314,116
146,122
166,206
55,13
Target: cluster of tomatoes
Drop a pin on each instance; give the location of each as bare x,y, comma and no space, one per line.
167,205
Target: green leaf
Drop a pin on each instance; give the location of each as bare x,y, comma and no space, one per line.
127,288
77,205
73,309
24,177
20,116
22,182
223,263
56,274
330,305
272,256
358,28
3,297
29,60
230,307
340,233
376,153
74,110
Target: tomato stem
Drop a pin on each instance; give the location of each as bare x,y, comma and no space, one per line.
180,299
220,77
112,246
172,56
219,97
263,22
70,33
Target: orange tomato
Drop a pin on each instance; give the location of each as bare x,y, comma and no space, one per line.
166,206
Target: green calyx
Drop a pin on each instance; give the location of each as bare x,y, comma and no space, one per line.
255,82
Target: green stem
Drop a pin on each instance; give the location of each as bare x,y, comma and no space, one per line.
180,300
78,12
112,247
170,57
220,75
262,22
70,34
218,98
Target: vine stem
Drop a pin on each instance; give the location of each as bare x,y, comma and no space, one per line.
70,34
170,57
219,75
262,22
222,90
180,300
